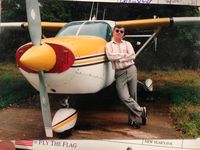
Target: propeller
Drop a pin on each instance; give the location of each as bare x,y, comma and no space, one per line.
34,26
34,21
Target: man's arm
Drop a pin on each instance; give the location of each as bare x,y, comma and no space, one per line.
130,55
112,56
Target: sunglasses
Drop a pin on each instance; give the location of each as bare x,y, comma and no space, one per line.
121,31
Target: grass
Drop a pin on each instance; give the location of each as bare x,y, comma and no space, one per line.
185,107
183,90
187,118
13,86
187,91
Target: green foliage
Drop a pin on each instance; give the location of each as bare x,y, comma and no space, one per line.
79,10
13,87
187,117
13,10
10,42
185,100
53,10
188,91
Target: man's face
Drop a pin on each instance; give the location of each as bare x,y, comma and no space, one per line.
118,33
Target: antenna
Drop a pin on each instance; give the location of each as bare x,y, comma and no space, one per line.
97,9
91,11
104,13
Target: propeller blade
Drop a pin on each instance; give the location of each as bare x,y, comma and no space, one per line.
34,21
34,26
46,112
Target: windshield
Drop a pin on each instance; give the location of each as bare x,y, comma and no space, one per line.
94,28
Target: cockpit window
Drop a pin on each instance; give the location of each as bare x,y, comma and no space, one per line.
69,29
94,28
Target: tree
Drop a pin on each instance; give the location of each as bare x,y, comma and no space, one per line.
53,10
13,10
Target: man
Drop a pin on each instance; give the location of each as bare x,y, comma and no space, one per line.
122,56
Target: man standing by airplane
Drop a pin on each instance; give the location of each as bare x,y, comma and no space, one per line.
122,56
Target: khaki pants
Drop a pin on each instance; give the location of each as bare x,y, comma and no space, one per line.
126,85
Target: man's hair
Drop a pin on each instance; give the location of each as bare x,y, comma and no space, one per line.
118,26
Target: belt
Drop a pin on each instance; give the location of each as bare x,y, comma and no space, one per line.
123,68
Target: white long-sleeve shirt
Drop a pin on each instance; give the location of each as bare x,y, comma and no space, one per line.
121,54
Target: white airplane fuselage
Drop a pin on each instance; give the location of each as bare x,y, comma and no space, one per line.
90,71
87,79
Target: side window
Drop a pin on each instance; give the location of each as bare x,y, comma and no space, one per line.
109,33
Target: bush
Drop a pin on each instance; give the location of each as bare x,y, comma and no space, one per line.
13,89
187,118
188,91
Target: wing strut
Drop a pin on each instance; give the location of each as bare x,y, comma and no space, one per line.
148,41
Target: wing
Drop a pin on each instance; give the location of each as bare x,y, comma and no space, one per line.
158,22
47,27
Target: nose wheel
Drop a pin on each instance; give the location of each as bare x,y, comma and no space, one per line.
65,118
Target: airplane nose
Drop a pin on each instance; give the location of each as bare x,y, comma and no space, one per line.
48,57
39,58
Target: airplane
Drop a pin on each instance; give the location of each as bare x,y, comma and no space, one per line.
74,61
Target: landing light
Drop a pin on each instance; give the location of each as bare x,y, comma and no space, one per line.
149,84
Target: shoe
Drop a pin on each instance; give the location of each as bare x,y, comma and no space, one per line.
134,125
144,116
